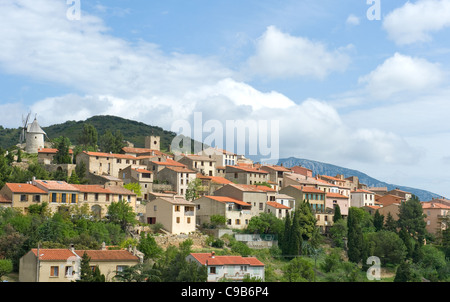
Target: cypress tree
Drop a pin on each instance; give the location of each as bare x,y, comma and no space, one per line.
355,237
337,213
378,221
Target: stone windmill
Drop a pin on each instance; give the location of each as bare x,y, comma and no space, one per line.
33,135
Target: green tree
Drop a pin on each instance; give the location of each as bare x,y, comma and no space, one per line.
6,267
378,221
87,274
110,142
149,247
194,189
88,138
62,156
390,223
337,213
405,273
298,270
121,213
338,232
134,187
355,236
73,179
387,246
411,219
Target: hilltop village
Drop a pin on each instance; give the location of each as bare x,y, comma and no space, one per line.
203,195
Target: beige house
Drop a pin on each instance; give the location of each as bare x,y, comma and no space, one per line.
59,193
400,193
438,216
178,177
143,177
204,165
333,199
276,173
21,196
46,155
247,175
392,208
176,214
221,157
236,212
232,268
99,163
279,210
253,195
63,265
360,198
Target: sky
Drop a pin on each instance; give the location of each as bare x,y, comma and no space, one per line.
361,84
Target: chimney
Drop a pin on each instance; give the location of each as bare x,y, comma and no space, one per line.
103,246
72,247
213,254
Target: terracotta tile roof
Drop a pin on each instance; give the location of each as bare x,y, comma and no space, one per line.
169,162
108,255
220,180
177,169
92,189
112,155
24,188
4,199
277,168
308,189
176,200
250,188
206,258
434,205
226,199
336,195
56,185
247,169
120,190
96,255
277,205
51,150
143,171
141,151
362,191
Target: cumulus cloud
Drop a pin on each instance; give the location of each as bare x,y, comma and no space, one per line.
138,81
352,20
415,22
281,55
401,73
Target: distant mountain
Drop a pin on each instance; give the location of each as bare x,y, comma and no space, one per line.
333,170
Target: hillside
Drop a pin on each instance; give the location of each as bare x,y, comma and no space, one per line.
132,131
333,170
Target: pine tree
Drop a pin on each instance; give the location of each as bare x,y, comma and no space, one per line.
337,213
378,221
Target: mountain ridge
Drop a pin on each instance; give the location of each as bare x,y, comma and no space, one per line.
333,170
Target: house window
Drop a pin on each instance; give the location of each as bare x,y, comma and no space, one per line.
107,197
243,268
37,198
64,196
53,197
96,196
238,222
85,196
177,208
212,270
23,197
120,268
54,271
74,198
178,219
189,220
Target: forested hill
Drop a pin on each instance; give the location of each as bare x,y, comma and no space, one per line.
132,131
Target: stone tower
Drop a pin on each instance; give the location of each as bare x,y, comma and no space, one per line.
34,137
153,142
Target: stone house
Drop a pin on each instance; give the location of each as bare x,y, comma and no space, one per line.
276,173
176,214
360,198
247,175
22,195
46,155
204,165
63,265
236,212
221,157
178,177
438,216
333,199
233,268
252,195
143,177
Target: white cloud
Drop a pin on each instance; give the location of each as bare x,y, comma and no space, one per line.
280,55
415,22
139,81
402,74
352,20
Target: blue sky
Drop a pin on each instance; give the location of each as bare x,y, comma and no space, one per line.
371,95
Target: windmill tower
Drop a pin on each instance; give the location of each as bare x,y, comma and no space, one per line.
34,136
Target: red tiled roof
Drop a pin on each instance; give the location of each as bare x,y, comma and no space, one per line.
51,150
169,162
220,180
362,191
143,171
112,155
206,258
183,169
92,189
249,169
56,185
307,189
434,205
4,199
277,205
95,255
225,199
277,168
24,188
336,195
